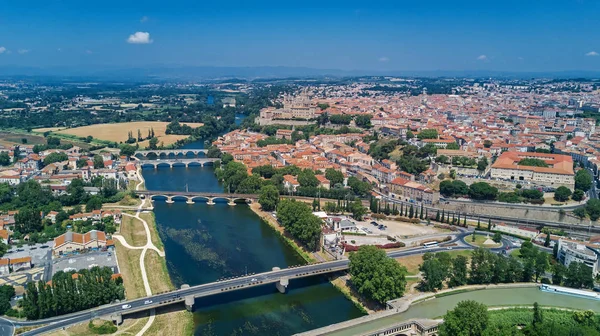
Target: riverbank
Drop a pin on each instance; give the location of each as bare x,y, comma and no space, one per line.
269,219
341,283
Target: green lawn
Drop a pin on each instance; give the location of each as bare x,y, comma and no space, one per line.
479,241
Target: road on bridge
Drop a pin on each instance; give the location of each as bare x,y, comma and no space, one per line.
213,288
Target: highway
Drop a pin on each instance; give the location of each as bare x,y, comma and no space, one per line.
213,288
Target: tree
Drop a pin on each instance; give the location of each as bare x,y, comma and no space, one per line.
579,212
547,241
482,191
307,178
94,203
468,318
541,264
28,220
153,143
562,194
298,220
334,176
453,188
428,134
578,195
437,216
358,210
127,150
537,315
4,159
376,276
592,208
453,145
409,135
411,212
497,237
98,161
433,275
482,164
583,180
489,224
558,273
579,275
269,198
250,185
458,276
55,157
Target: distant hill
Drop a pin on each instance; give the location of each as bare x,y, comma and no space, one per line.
209,72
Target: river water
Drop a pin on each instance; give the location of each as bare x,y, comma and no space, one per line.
206,242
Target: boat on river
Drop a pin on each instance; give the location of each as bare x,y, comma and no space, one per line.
570,291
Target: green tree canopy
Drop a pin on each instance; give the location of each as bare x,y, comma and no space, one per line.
269,198
562,194
468,318
583,180
376,276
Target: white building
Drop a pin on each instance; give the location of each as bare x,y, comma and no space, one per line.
569,252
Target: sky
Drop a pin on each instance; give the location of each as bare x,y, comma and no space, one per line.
507,35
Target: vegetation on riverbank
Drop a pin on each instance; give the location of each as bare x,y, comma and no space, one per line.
268,219
473,318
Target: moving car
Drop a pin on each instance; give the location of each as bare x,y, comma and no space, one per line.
147,302
126,306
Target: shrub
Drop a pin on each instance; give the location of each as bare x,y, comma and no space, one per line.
546,281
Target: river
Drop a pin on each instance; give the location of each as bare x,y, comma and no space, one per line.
206,242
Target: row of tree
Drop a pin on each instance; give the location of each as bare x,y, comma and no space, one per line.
297,219
68,293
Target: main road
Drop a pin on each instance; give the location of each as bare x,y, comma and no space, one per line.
221,286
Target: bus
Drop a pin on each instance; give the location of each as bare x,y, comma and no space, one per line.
430,244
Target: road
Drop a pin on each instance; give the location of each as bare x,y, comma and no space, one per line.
213,288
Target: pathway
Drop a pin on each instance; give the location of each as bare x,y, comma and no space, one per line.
148,246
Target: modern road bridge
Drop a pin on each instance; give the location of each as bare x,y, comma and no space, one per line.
177,162
187,294
168,152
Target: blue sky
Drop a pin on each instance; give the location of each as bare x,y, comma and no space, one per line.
507,35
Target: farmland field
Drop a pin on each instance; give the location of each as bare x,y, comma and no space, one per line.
48,129
118,132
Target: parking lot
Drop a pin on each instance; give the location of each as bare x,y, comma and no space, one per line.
85,260
41,254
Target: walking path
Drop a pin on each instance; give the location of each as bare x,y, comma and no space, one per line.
148,246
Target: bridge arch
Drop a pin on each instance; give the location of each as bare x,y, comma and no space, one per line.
200,198
179,198
159,197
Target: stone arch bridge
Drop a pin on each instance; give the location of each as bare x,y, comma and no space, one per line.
168,152
178,162
191,197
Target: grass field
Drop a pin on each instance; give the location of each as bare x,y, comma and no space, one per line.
48,129
129,266
133,231
413,262
9,139
118,132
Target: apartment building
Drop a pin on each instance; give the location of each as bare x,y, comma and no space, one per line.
407,190
569,252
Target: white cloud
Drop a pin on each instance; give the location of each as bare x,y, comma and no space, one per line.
383,59
89,52
59,49
23,51
144,19
2,50
139,38
482,58
520,58
592,53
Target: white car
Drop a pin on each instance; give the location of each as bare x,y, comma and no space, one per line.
125,306
147,302
253,280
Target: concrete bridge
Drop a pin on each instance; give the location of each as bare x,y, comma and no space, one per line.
176,162
187,294
168,152
191,196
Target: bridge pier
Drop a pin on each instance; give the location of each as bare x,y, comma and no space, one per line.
117,318
282,285
170,200
231,203
211,201
189,300
189,201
